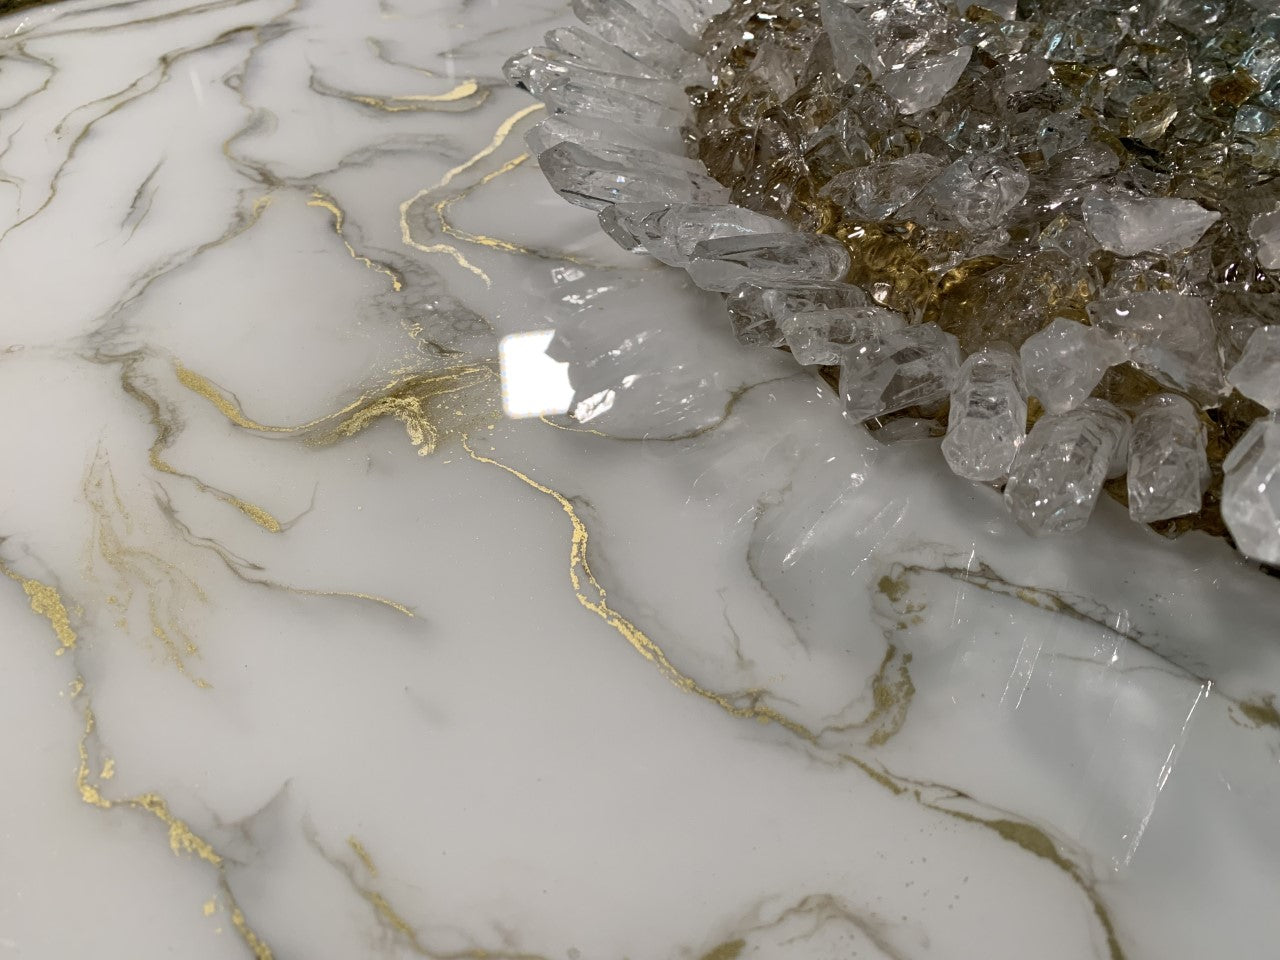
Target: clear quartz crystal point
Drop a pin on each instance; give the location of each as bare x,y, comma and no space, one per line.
588,96
1060,468
590,179
914,366
988,419
1129,225
1251,491
757,310
565,83
656,40
723,263
595,133
820,336
669,232
1257,372
1169,336
1065,361
591,51
1168,466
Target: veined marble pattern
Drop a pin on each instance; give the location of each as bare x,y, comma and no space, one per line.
311,651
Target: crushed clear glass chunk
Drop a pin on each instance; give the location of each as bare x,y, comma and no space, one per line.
1168,467
1059,470
988,418
914,366
980,190
923,83
1065,361
723,263
1129,225
879,190
1251,491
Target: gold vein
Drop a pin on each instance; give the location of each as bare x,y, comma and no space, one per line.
326,202
450,100
406,231
591,595
182,839
235,565
359,850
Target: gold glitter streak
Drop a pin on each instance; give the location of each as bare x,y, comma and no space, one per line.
413,400
168,589
182,839
47,602
210,907
326,202
591,595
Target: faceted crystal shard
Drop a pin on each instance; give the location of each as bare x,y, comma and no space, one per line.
1059,469
1265,231
820,336
1251,492
1169,336
758,310
1065,361
979,191
988,419
724,263
1129,225
1168,466
591,180
910,367
669,232
1257,373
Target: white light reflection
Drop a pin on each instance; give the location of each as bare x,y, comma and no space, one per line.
533,385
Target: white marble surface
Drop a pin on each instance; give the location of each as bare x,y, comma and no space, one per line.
307,646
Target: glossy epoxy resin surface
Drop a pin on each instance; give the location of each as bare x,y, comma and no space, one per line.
317,646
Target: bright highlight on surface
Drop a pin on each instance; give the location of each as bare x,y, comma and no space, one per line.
533,385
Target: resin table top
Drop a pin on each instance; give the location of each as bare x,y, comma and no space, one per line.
328,635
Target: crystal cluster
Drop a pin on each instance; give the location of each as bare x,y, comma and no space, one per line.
1051,229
